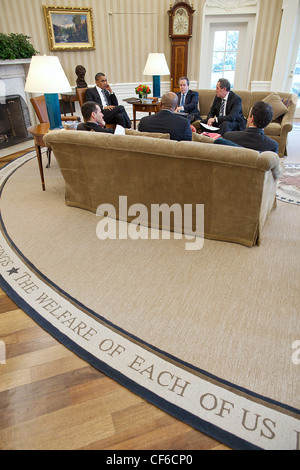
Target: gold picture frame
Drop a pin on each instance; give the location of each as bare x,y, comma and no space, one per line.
69,28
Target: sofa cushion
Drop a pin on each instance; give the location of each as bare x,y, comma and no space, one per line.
202,138
147,134
246,99
278,107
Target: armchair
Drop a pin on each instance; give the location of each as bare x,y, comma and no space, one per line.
39,106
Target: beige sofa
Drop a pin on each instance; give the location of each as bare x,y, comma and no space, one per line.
283,116
237,186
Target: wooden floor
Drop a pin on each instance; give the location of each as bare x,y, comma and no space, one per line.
51,399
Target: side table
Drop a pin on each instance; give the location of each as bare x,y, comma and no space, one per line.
144,108
38,133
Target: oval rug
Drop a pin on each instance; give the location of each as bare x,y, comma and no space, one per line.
184,330
289,184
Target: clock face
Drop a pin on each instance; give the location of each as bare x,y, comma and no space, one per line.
181,22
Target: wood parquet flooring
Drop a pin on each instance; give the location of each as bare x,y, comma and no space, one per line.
51,399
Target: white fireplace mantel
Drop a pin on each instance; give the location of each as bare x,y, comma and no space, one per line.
13,75
15,61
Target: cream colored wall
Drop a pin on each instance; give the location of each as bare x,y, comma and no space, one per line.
127,30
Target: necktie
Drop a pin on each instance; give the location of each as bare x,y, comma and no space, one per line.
182,100
104,99
222,109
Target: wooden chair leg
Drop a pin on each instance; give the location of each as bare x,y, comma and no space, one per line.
49,157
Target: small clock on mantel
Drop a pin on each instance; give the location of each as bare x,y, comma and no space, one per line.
180,32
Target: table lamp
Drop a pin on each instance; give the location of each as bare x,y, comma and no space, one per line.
156,66
46,76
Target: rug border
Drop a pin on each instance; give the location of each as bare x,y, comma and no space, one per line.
204,426
284,199
201,425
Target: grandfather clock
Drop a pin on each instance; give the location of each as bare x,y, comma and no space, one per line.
180,32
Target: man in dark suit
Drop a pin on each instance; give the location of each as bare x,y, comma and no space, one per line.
167,120
254,137
188,100
93,118
105,97
226,112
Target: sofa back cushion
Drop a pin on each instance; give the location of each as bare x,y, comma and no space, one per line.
206,98
154,135
246,101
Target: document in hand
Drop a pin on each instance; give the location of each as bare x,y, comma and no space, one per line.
210,128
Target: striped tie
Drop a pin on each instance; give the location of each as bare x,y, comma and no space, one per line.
182,100
222,109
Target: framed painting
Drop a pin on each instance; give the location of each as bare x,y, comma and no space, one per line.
69,28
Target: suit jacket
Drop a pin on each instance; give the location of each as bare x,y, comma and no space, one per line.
168,123
252,138
92,126
93,95
117,115
234,111
191,104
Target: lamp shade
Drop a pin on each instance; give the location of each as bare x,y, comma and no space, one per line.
156,65
46,75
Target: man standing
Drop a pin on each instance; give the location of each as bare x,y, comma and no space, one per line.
226,112
93,118
188,100
167,120
105,97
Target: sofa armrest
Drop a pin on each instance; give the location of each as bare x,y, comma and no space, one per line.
288,118
271,161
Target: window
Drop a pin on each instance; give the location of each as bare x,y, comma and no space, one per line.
225,51
296,78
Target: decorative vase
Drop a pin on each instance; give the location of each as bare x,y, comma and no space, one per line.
143,96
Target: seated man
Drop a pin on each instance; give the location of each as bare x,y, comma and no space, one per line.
226,112
103,95
188,100
167,120
254,137
93,118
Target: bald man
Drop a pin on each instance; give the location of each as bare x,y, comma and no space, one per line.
167,121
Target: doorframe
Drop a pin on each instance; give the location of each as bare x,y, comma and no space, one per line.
287,36
245,15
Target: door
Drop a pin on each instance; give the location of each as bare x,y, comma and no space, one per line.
227,51
294,77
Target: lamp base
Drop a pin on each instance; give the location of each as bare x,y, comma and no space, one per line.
156,86
53,110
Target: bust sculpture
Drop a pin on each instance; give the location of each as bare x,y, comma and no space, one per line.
80,72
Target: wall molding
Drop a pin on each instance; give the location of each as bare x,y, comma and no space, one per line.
226,7
261,86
